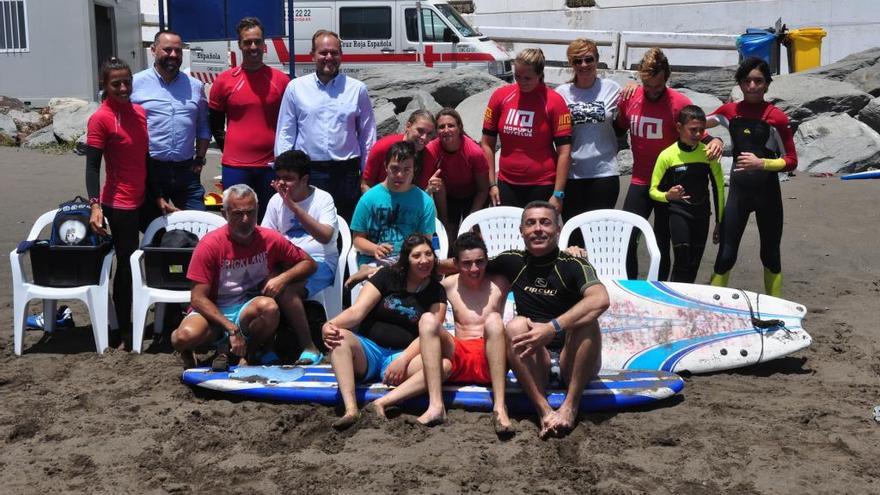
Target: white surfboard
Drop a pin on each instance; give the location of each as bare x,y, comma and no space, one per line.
688,327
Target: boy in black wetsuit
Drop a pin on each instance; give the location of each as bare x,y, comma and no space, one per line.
681,178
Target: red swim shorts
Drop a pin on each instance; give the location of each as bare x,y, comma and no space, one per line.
469,363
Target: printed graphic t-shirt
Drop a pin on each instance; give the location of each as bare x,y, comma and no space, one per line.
651,126
527,124
237,273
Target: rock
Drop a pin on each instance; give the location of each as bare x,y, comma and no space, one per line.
23,117
420,101
80,147
716,82
621,77
43,137
867,79
847,65
70,123
870,115
55,105
709,104
447,87
472,110
625,162
836,143
8,103
386,119
803,97
28,122
8,131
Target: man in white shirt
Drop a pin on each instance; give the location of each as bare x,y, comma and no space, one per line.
329,116
305,215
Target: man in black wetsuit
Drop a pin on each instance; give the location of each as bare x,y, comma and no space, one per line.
558,300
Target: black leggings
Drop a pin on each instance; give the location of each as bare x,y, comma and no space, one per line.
583,195
516,195
125,233
688,231
639,202
766,202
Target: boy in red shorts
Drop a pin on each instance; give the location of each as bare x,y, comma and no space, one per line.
477,352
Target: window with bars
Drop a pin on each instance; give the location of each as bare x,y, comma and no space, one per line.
13,26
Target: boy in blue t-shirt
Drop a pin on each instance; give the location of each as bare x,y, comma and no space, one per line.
391,210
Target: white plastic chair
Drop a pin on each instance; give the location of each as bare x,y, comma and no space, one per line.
499,226
197,222
96,297
441,252
331,297
606,238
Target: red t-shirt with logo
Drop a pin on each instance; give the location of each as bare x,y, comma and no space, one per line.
120,131
651,126
528,124
459,170
251,100
374,170
236,273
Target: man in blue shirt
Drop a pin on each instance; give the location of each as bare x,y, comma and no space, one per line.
177,123
329,116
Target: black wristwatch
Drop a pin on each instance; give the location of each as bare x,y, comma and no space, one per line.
199,160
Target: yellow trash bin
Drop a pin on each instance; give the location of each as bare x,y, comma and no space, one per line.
804,48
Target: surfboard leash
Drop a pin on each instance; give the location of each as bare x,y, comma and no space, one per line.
757,322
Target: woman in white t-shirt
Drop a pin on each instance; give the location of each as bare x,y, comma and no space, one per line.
593,179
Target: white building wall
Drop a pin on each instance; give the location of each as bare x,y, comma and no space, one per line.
852,25
60,60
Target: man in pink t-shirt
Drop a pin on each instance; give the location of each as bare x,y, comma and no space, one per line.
244,278
649,113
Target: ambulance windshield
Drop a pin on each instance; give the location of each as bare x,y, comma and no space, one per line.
456,20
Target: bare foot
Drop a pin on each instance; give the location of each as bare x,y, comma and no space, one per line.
187,359
363,273
432,417
501,422
346,421
565,419
377,409
548,422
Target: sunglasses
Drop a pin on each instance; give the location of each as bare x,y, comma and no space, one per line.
584,60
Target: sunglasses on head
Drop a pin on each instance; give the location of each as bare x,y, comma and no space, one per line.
583,60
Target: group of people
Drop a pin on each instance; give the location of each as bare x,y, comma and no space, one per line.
298,153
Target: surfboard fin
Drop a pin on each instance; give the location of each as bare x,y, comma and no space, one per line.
720,279
772,283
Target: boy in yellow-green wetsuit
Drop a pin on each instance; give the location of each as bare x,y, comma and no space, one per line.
681,178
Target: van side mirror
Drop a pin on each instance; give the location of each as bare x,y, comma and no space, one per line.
449,37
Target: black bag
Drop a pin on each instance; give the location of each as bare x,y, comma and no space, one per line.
176,239
71,225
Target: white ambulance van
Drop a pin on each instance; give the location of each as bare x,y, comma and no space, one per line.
373,33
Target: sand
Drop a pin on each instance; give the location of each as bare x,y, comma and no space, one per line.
74,421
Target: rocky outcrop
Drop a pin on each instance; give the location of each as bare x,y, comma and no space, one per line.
867,79
447,87
716,82
386,118
56,105
804,97
8,103
870,115
41,138
472,110
420,101
836,143
70,123
8,131
844,67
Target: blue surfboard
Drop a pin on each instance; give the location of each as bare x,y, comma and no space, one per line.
612,390
868,174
